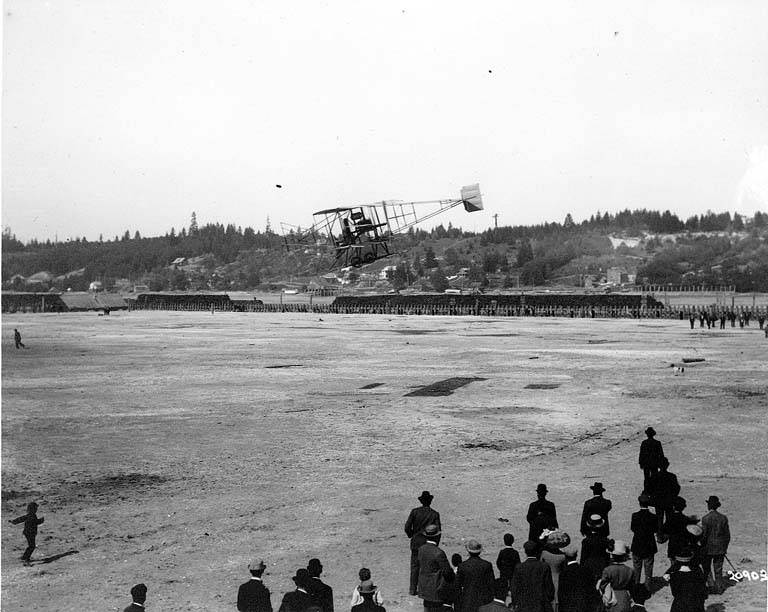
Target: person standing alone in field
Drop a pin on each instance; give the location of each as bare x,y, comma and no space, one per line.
31,522
651,456
17,339
418,520
541,514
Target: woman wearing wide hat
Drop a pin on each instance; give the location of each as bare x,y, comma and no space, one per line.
688,585
619,576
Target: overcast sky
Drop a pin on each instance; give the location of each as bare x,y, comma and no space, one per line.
132,114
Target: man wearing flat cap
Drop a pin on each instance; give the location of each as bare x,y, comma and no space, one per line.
298,600
644,526
434,569
321,593
475,579
715,537
541,514
139,596
597,504
417,521
253,596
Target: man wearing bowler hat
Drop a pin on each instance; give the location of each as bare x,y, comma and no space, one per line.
475,579
253,596
715,537
644,526
541,514
417,521
321,593
434,569
596,505
651,454
298,600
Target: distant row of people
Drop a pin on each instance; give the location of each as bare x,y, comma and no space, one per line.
710,319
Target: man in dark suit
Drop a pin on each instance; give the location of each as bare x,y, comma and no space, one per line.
575,590
663,489
320,592
507,560
298,600
253,596
674,528
651,454
475,579
433,570
139,596
716,535
499,603
532,586
644,526
541,514
417,521
596,505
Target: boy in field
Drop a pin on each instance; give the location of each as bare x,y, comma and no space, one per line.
31,522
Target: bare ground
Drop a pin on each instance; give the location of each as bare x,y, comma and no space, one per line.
169,448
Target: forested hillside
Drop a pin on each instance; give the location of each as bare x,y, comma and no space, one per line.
712,249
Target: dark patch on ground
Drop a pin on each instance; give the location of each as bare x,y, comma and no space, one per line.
416,332
107,488
286,365
693,359
542,386
371,385
53,558
497,445
443,387
600,341
745,393
492,335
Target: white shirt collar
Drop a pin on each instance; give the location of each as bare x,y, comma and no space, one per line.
571,562
255,578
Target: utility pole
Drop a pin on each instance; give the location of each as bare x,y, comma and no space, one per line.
496,221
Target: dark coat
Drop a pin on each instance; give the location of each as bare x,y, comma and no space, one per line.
663,488
596,505
321,594
546,507
295,601
432,562
675,529
644,525
689,590
134,608
575,588
368,605
30,524
253,596
716,534
476,580
651,454
418,519
532,587
594,555
507,561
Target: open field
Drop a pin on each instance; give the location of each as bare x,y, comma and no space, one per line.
171,447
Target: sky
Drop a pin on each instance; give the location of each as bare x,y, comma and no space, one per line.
129,115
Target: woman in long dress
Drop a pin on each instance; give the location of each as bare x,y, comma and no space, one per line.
620,577
688,585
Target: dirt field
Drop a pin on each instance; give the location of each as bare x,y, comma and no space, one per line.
170,448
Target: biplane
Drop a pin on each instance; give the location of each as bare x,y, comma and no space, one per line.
360,235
